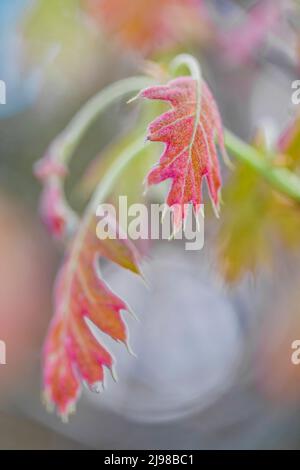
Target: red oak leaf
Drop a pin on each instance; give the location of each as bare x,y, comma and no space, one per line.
72,354
190,153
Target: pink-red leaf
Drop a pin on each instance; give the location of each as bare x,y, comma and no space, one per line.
190,153
54,211
72,354
57,215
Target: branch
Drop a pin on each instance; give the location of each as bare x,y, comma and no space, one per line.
281,179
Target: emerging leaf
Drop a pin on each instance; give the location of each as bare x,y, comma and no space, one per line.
289,144
244,238
54,210
257,221
189,131
57,215
72,354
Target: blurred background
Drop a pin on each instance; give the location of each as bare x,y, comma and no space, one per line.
213,344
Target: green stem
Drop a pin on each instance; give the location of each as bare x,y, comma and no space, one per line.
190,63
63,147
281,179
103,190
69,139
110,178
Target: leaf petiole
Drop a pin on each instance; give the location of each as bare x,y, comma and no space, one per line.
280,179
69,139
